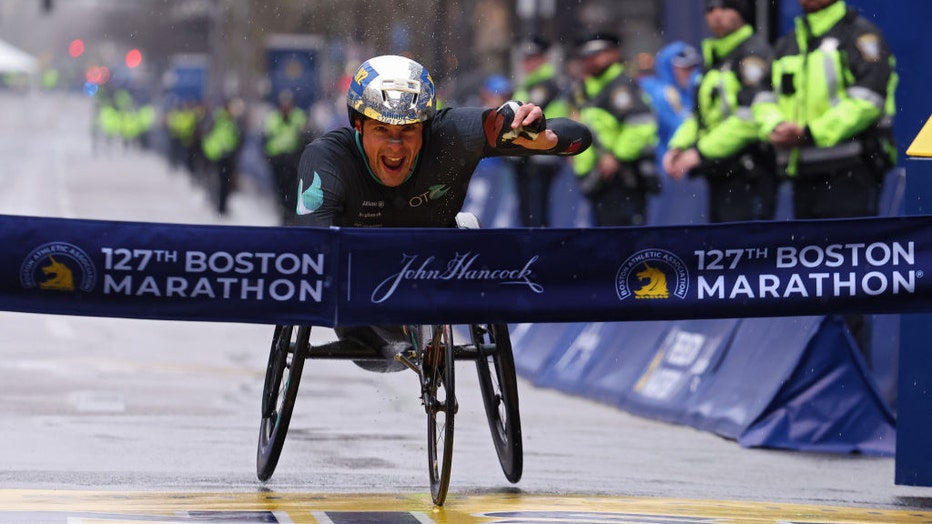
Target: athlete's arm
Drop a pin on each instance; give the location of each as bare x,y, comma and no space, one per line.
522,129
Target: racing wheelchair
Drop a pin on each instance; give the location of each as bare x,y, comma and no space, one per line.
430,352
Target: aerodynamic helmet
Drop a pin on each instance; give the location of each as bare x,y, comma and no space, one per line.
392,89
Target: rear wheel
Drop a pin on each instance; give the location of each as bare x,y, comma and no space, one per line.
439,399
499,386
290,346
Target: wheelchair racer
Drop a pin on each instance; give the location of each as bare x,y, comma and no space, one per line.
403,163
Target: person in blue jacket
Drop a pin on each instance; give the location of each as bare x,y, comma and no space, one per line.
672,89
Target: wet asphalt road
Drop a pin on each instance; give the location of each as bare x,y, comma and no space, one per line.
136,405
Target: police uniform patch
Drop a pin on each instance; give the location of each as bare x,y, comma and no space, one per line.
673,98
752,70
869,46
621,99
829,45
538,95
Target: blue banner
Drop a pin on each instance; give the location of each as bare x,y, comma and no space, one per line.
335,276
779,268
168,271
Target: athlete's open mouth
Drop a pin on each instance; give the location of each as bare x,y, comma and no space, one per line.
393,163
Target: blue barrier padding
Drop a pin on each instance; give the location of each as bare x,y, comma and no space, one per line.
597,359
751,369
828,404
678,371
678,384
790,382
533,344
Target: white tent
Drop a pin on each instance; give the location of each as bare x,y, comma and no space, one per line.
13,60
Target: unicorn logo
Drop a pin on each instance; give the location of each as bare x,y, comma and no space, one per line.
59,276
652,274
656,286
58,266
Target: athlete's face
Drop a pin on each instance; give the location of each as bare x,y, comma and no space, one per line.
391,150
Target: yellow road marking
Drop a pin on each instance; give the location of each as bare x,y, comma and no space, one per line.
99,507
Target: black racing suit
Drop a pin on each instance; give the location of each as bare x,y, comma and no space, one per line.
337,188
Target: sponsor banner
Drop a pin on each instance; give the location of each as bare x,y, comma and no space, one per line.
753,269
376,276
168,271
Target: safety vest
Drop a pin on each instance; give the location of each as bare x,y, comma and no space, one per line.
285,135
736,69
108,119
223,138
182,123
834,75
619,117
540,87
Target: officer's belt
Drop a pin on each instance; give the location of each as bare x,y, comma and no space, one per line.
849,152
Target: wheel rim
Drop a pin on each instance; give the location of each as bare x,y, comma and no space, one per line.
275,369
283,375
440,404
500,396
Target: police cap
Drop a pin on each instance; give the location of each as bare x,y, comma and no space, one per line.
534,45
597,42
743,7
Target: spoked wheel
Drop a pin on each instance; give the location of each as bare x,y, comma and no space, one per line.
499,385
282,376
440,403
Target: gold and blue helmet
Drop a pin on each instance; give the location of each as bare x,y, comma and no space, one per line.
392,89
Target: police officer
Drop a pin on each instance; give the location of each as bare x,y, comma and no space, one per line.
720,140
534,175
221,145
284,137
830,115
830,112
181,124
619,171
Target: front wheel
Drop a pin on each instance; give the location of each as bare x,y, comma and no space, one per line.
499,386
439,399
290,346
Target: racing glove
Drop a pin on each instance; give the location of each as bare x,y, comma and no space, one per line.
497,125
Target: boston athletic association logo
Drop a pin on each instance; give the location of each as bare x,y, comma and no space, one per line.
58,266
652,274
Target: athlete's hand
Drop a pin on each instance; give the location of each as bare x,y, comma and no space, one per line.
528,126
